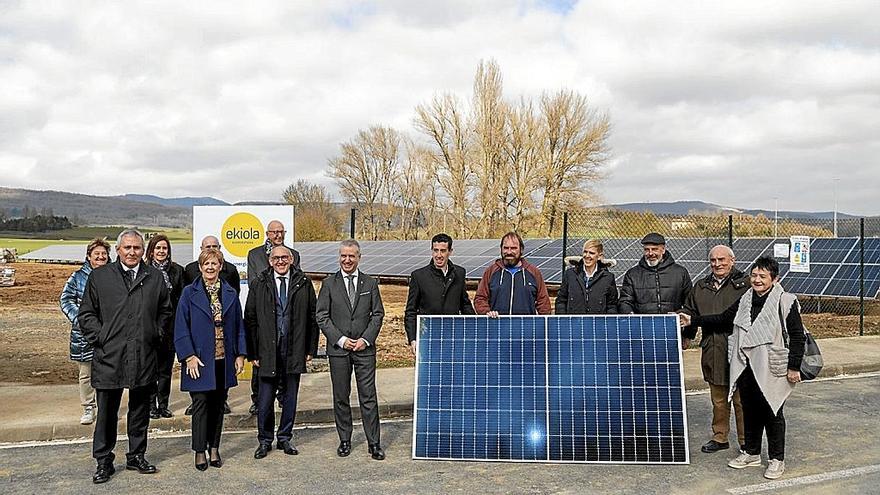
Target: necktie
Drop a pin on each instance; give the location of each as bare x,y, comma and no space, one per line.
351,289
282,292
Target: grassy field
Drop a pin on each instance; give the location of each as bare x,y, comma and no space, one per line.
25,243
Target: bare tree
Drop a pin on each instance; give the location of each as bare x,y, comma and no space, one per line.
524,153
490,137
364,169
317,219
415,190
575,144
444,123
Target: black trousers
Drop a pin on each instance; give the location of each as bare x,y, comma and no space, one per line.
104,439
364,367
758,417
207,413
165,358
269,388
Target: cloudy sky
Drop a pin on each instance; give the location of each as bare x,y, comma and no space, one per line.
740,103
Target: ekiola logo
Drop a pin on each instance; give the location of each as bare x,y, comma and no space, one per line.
241,233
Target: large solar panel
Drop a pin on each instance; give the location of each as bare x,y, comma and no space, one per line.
596,389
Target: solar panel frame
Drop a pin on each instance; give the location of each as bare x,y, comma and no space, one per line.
671,343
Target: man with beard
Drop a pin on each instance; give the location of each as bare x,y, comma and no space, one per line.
511,285
657,284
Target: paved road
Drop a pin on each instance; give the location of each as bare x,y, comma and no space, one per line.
832,427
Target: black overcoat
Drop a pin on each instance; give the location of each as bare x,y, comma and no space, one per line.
260,326
124,325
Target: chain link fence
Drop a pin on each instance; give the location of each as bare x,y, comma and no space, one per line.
839,294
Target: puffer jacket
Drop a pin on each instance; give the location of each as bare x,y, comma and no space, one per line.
654,289
575,297
71,298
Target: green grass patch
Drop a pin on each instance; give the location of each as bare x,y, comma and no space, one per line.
89,233
24,246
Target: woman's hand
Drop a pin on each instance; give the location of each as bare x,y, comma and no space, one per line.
239,365
684,319
192,366
794,376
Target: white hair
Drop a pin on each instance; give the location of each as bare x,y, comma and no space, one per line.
128,233
724,247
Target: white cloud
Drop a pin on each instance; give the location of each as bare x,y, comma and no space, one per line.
730,102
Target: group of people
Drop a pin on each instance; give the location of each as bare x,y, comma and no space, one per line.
752,336
130,317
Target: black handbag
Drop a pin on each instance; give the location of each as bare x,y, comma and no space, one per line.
812,362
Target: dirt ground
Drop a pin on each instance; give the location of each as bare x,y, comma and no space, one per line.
34,334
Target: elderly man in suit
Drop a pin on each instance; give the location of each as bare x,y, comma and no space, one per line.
257,263
282,337
125,306
349,313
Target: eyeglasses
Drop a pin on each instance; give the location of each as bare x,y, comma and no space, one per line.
273,259
275,232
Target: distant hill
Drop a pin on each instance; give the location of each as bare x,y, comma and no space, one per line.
186,202
84,209
685,207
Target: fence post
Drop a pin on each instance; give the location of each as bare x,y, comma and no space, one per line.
730,231
564,238
861,276
351,225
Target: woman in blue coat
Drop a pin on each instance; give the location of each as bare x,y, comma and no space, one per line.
210,343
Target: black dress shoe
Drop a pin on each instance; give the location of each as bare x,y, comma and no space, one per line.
713,446
226,408
201,466
376,452
165,413
139,464
103,473
217,463
154,414
344,449
253,409
262,451
287,448
189,410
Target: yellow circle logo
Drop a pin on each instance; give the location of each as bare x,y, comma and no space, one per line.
241,233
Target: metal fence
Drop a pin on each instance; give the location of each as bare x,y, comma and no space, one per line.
844,254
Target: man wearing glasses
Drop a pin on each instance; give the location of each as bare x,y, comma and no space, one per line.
257,263
282,336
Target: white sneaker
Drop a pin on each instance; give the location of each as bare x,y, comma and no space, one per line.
774,469
88,416
744,461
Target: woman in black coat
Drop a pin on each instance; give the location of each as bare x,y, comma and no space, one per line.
158,255
210,341
588,287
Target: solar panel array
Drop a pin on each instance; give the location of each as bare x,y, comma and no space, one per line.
834,265
558,389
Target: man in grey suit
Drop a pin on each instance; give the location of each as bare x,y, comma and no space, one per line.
349,313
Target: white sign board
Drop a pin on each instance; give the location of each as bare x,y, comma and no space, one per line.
800,254
780,250
240,229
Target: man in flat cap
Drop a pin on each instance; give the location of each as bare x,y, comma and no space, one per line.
657,284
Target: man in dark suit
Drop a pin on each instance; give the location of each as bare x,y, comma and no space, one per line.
257,263
282,337
436,289
125,306
349,313
228,274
